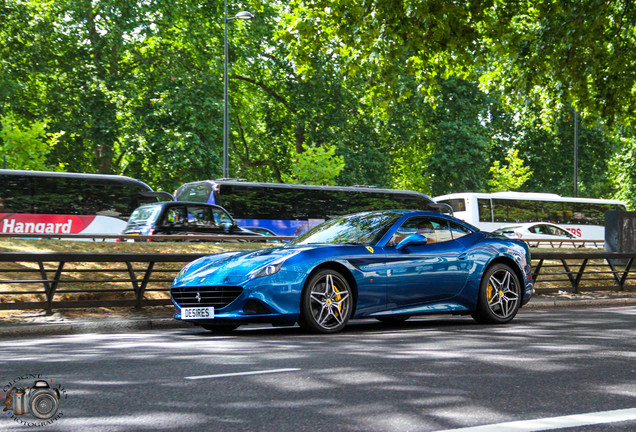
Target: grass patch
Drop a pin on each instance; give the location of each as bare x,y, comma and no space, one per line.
49,245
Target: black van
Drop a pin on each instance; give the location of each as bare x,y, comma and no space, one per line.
182,218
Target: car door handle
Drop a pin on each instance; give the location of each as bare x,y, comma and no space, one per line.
462,256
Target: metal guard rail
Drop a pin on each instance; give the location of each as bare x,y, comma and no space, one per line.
571,243
128,237
552,272
611,269
138,285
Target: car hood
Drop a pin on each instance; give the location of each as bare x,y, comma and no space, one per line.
231,267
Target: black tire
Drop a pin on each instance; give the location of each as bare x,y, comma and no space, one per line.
393,319
499,296
220,327
326,302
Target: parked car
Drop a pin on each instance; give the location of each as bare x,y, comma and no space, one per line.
387,265
535,231
182,218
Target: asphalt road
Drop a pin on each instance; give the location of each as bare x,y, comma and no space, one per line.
569,370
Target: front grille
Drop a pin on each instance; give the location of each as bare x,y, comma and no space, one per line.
217,296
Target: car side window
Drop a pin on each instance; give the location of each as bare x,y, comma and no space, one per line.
199,216
545,229
458,230
559,232
435,230
220,217
175,216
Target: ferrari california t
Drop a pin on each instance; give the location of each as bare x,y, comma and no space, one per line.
388,265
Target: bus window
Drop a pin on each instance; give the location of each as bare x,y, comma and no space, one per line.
457,204
485,209
526,211
196,192
500,210
16,195
551,211
578,216
596,214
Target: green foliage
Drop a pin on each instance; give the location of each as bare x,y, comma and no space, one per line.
316,165
26,147
549,153
544,51
623,172
422,95
511,176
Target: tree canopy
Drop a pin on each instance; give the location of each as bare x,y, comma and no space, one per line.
415,94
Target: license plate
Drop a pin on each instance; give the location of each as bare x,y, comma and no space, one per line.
197,313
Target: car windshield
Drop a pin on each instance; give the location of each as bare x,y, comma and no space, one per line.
144,213
356,229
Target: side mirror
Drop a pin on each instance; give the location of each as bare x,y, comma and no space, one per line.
227,227
412,240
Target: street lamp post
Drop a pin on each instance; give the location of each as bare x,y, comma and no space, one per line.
576,153
244,15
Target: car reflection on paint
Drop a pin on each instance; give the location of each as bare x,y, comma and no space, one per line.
388,265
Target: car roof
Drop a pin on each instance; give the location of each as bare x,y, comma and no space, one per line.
528,224
409,213
177,203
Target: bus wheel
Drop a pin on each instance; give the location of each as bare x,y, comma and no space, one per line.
325,303
499,296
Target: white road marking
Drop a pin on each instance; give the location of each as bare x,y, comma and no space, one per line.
551,423
261,372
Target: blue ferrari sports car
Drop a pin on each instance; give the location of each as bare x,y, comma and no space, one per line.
388,265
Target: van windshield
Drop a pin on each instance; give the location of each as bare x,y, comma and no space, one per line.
144,213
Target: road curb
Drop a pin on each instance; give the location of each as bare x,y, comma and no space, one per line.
16,331
85,327
579,303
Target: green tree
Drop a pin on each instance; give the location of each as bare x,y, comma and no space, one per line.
540,50
623,172
26,147
316,165
511,176
549,153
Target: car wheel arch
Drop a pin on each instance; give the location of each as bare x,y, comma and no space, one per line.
510,263
344,271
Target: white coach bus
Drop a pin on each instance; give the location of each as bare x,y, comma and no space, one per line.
583,217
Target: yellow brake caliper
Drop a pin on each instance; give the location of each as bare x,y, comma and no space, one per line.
337,298
489,292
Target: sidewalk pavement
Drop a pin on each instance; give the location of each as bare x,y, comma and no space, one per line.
17,324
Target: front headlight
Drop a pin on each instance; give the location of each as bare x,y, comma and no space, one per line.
268,270
273,267
182,271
